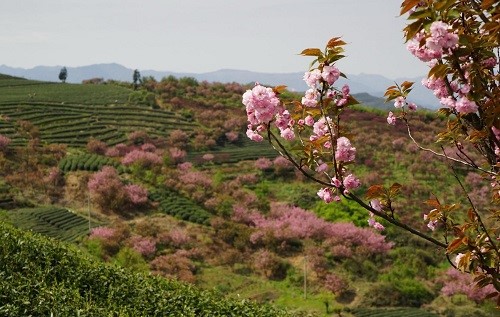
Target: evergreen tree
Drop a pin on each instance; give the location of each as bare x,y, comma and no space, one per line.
63,74
136,78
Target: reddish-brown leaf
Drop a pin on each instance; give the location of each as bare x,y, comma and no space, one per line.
486,4
407,5
375,191
311,52
336,41
279,89
455,244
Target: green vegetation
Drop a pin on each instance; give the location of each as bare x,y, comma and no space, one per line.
391,312
176,205
51,221
42,277
86,162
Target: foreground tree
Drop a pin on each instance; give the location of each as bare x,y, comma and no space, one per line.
63,74
459,41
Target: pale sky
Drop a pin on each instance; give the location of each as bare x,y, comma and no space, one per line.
204,35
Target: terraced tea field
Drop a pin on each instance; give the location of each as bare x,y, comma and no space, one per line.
176,205
56,222
71,114
86,162
392,312
230,153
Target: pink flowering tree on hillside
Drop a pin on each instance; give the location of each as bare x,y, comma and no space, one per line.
112,195
459,41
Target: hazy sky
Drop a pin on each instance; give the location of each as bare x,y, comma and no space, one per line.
204,35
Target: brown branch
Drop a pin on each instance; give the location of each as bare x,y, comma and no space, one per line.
396,222
474,166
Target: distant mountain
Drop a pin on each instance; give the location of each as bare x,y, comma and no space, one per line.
372,84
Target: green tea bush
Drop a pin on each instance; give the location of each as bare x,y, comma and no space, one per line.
43,277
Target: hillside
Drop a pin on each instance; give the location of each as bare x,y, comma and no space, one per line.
372,84
164,181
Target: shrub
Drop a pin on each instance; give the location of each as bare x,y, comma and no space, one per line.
96,146
145,246
136,194
4,143
263,164
176,265
107,189
456,282
142,158
335,284
270,265
138,137
132,259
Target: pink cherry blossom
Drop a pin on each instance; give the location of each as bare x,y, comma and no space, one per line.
312,78
375,203
399,102
345,152
320,127
391,119
310,98
330,74
309,120
378,226
326,194
448,102
432,224
345,91
254,136
261,104
412,106
351,182
342,102
465,106
336,182
287,134
489,62
322,167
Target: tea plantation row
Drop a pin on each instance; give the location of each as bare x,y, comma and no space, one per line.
52,221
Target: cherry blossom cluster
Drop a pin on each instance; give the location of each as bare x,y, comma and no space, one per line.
400,103
263,106
437,42
460,103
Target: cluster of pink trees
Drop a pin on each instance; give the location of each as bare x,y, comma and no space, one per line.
285,223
